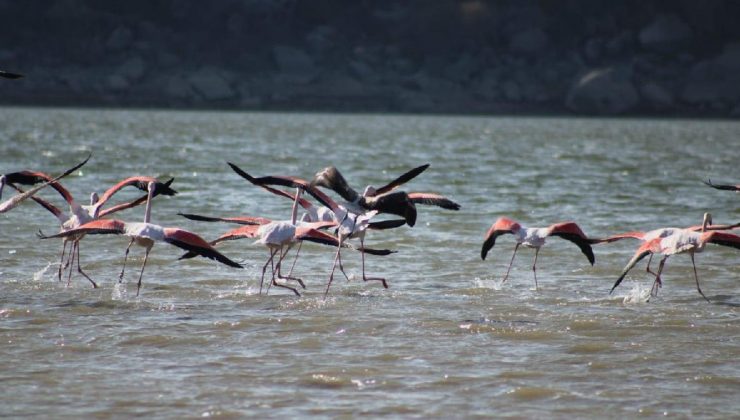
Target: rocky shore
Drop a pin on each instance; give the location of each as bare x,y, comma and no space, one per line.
679,58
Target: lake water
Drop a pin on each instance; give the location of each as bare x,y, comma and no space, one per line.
447,339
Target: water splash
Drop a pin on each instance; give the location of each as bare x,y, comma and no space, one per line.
119,291
39,275
637,295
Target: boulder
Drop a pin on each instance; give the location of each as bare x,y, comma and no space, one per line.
715,80
666,34
529,41
294,65
606,91
211,84
657,95
120,38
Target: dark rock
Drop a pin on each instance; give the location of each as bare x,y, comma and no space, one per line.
530,41
657,96
602,91
211,84
294,65
120,38
716,80
666,34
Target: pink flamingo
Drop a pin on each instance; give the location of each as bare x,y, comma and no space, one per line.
535,238
678,242
146,235
81,214
349,225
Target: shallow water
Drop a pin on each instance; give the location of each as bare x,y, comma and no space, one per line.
447,339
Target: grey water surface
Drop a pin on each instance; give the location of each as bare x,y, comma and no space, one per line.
446,340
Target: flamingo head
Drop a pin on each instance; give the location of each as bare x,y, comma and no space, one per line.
370,191
2,184
706,222
94,198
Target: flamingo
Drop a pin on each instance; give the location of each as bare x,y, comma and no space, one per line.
146,234
678,242
349,225
331,178
646,236
81,214
535,238
14,201
735,188
278,235
9,75
397,203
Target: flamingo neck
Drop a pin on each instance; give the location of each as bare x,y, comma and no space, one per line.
294,211
148,210
2,185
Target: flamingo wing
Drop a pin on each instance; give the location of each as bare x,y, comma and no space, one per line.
571,232
242,220
9,75
191,242
432,199
501,226
301,201
100,226
59,214
397,203
331,178
123,206
386,224
317,236
406,177
722,238
722,186
140,182
287,181
11,203
647,248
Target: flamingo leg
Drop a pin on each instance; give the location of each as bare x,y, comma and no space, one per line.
341,268
79,269
264,267
71,262
534,268
696,277
334,266
274,278
125,257
62,264
648,265
510,263
288,277
141,274
658,283
292,266
364,278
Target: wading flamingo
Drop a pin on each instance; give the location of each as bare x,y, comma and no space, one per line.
671,241
81,214
535,238
349,226
146,234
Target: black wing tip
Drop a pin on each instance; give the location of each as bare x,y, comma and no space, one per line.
165,189
10,75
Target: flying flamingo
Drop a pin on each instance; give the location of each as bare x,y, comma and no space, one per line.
9,75
14,201
678,242
350,225
735,188
81,214
535,238
647,236
146,234
331,178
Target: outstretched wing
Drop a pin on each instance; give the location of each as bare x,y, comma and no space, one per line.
432,199
722,186
502,226
573,233
191,242
331,178
100,226
408,176
242,220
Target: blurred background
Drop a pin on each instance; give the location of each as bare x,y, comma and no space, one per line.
658,58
